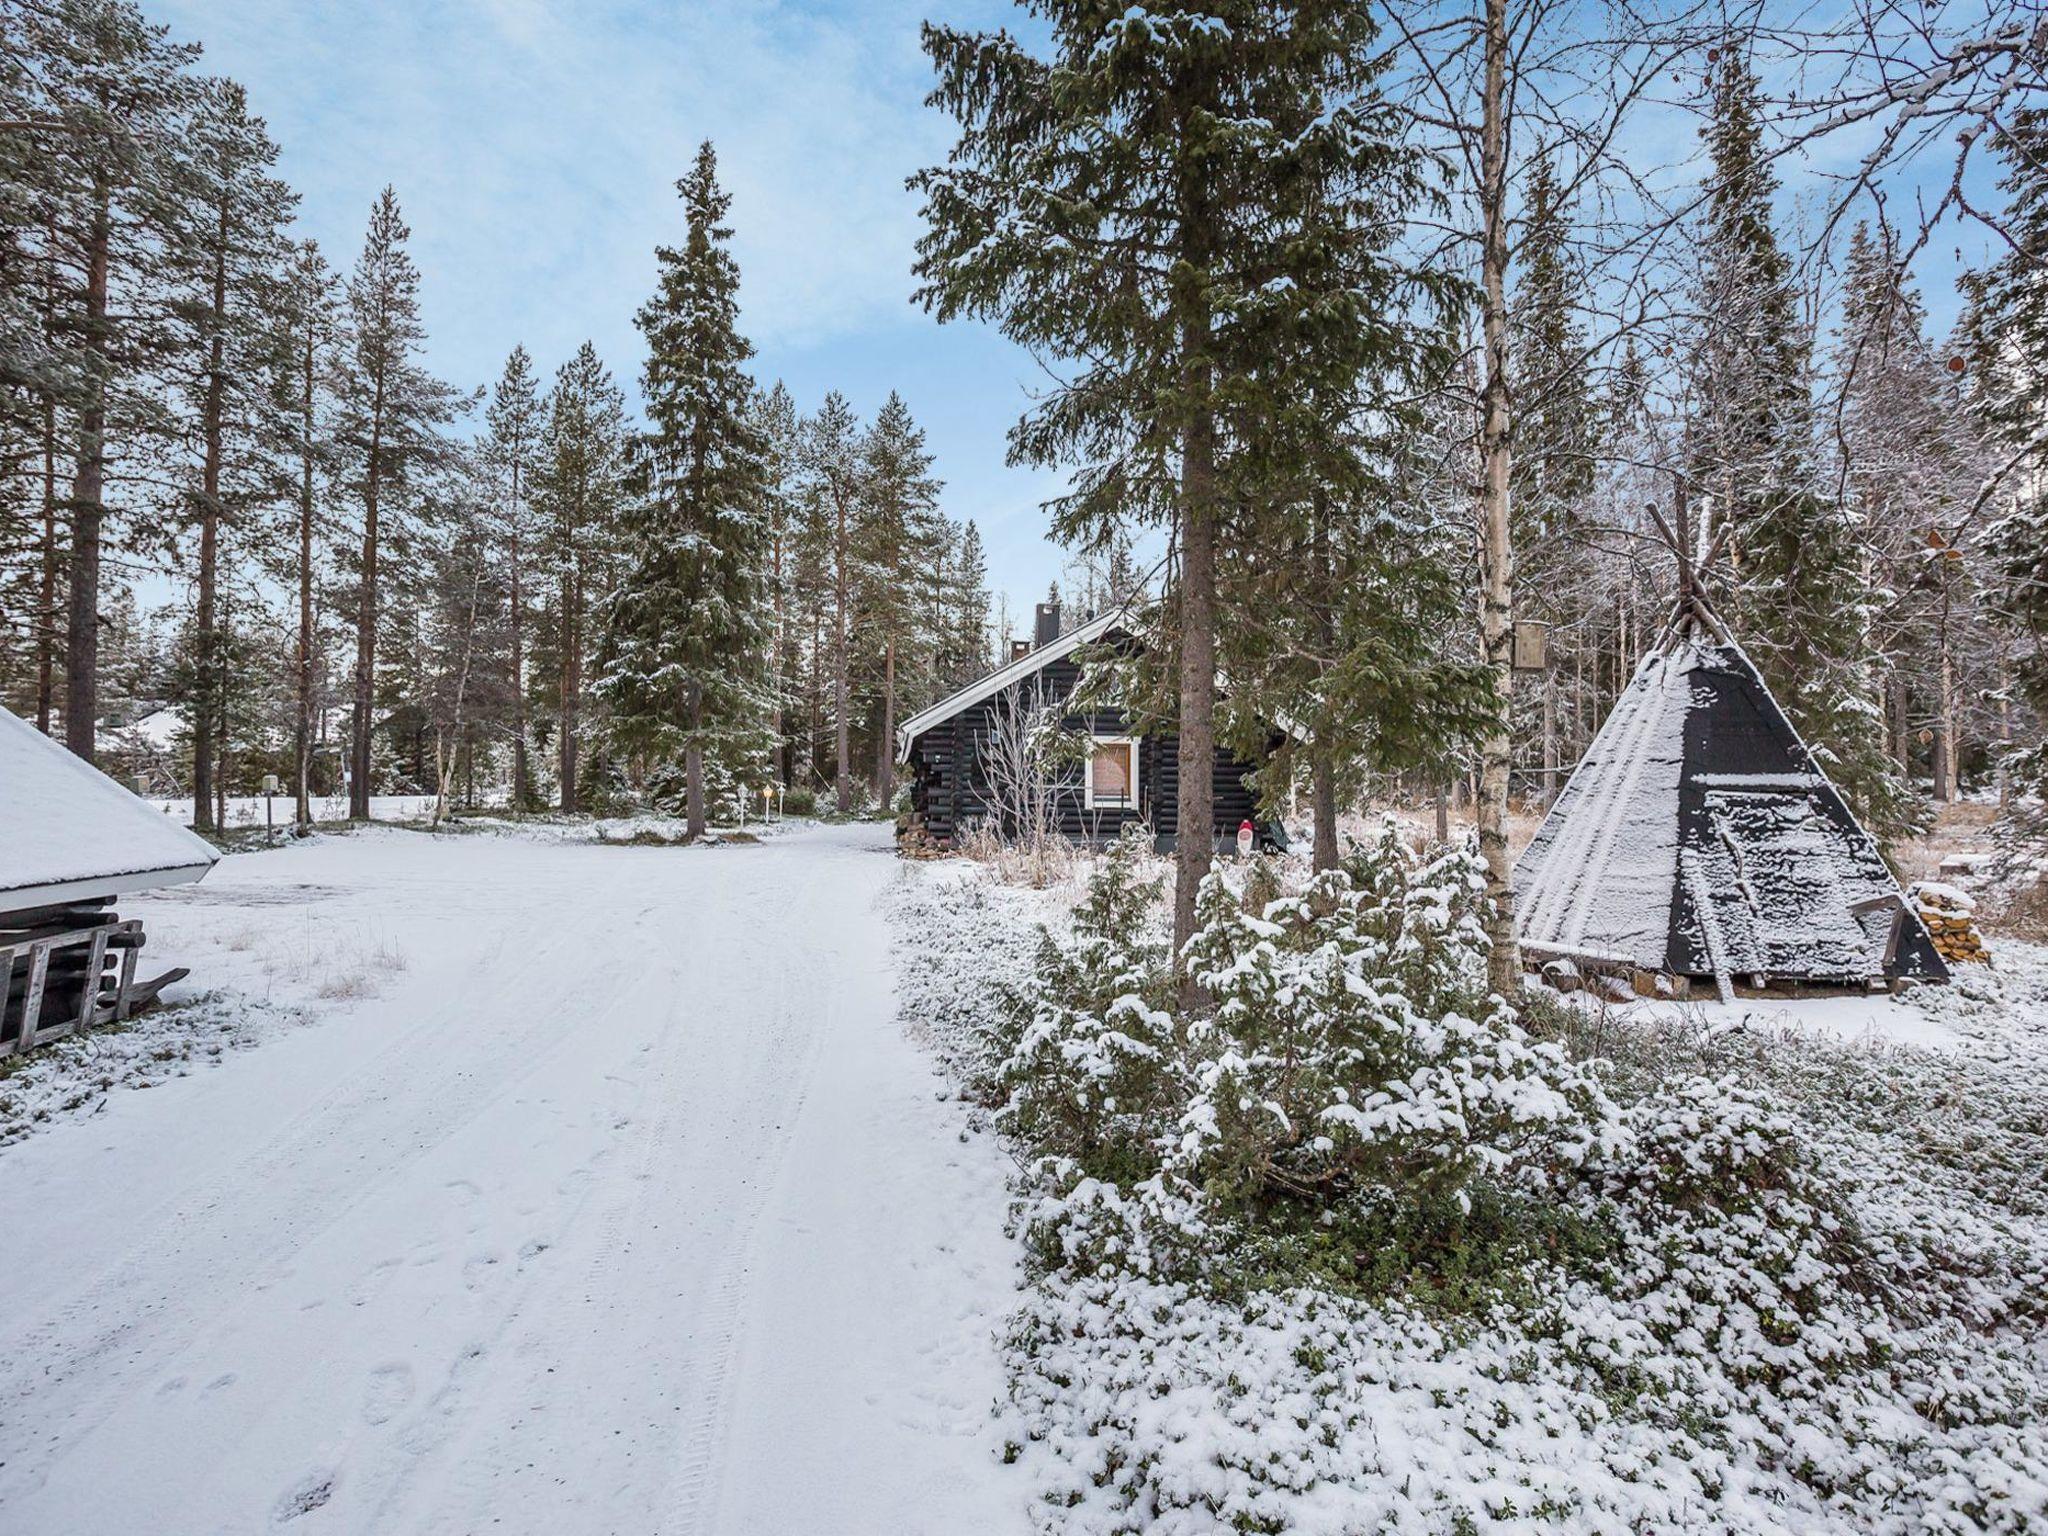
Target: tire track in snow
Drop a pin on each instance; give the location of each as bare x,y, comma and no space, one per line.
285,1182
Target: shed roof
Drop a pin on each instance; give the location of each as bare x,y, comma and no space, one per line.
69,833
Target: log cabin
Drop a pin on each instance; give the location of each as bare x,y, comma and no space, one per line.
1103,777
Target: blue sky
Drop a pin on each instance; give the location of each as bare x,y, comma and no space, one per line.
534,145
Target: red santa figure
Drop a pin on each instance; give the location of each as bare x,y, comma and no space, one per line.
1244,839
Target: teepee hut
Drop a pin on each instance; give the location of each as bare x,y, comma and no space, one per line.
1698,838
71,842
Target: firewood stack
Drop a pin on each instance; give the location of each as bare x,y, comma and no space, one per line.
1948,914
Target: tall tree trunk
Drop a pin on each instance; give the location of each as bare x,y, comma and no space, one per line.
46,590
1552,758
206,713
842,780
1323,792
779,672
885,748
363,719
696,821
88,510
522,779
572,676
1947,767
1195,825
302,755
1497,556
1323,750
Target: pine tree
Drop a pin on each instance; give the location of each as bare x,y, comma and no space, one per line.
684,665
1802,602
310,328
395,413
229,255
579,491
512,424
109,101
1187,207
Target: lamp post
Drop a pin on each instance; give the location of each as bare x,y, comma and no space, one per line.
270,806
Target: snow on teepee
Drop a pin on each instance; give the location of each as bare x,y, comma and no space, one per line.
1698,837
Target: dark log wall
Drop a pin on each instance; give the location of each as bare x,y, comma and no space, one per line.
950,788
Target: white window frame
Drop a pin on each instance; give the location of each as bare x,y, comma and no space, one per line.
1127,802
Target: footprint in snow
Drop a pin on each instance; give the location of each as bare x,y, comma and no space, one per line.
303,1497
390,1389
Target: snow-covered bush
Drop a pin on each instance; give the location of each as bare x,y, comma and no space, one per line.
1730,1244
1354,1052
1094,1066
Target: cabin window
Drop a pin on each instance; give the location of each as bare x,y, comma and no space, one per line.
1112,773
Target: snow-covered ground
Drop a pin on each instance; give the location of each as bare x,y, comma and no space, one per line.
1709,1374
566,1189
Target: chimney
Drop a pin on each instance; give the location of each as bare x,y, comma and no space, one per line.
1047,628
1019,649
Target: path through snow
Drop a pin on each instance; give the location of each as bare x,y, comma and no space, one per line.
625,1208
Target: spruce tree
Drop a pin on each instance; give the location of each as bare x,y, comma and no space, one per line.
1556,443
394,414
1802,604
966,653
777,426
900,538
1911,462
684,666
1186,209
2009,373
579,491
513,424
835,506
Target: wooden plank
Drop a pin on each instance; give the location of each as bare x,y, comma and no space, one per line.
32,1000
122,1000
89,994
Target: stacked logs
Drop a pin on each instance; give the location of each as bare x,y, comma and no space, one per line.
1946,912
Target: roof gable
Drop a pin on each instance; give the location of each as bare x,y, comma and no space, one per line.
988,687
67,831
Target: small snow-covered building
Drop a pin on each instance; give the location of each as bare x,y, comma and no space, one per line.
1698,837
959,751
72,841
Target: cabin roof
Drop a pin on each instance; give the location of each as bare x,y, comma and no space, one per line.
69,833
995,682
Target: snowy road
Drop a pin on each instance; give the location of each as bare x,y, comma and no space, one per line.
623,1207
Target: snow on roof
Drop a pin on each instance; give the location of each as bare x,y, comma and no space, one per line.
1601,874
996,681
68,832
